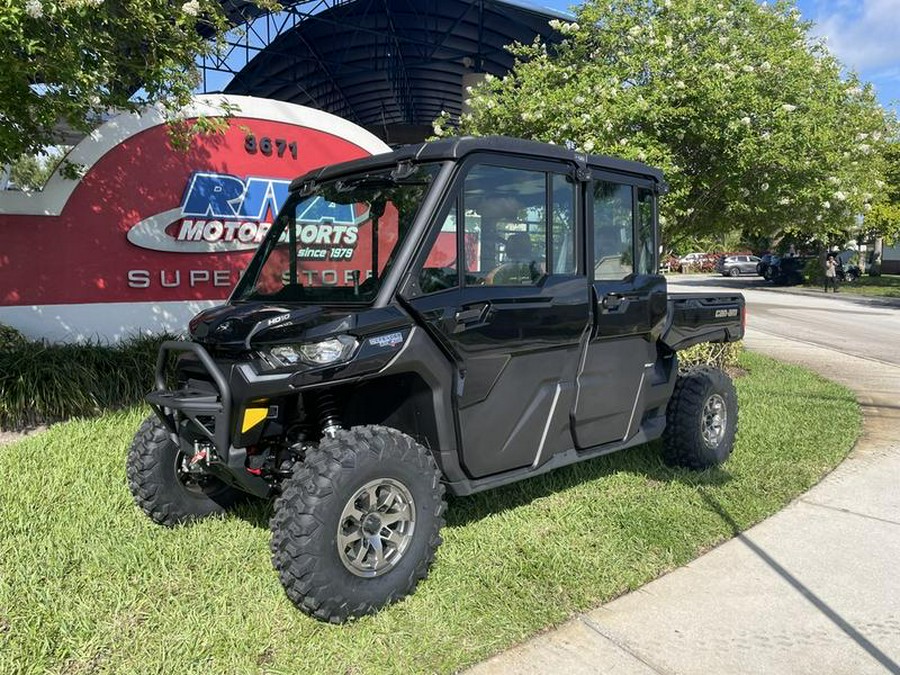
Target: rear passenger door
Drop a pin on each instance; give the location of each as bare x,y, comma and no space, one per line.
628,298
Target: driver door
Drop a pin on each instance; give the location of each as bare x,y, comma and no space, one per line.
500,289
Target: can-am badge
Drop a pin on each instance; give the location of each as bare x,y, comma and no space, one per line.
389,340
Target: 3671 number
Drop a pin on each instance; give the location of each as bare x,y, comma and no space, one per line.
267,146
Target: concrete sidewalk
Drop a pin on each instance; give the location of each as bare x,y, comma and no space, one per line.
813,589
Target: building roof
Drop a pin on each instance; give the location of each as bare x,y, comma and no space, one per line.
388,64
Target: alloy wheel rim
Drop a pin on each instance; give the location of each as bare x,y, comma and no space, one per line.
713,421
376,527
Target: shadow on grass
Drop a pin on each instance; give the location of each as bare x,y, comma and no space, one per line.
645,460
255,511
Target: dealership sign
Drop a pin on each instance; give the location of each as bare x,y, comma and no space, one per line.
150,235
219,213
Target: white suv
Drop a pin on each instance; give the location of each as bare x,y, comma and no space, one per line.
690,260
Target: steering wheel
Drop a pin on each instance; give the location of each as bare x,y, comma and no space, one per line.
433,279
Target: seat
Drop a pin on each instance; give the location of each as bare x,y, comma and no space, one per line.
520,267
610,261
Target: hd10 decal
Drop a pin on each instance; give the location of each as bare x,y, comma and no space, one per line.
149,235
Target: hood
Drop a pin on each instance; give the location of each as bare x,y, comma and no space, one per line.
251,325
241,326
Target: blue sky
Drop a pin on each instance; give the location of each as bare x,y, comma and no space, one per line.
863,34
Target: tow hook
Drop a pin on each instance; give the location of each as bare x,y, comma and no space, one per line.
255,461
199,461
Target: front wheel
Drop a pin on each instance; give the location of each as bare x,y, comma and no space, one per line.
161,485
357,525
701,419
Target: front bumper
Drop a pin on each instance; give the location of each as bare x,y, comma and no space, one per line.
196,416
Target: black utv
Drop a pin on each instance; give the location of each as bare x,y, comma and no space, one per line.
451,316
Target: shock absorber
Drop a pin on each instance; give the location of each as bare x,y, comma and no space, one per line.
329,418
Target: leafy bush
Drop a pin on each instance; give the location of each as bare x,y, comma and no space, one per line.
722,355
10,338
42,383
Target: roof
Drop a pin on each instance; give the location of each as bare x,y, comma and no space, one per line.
380,63
457,147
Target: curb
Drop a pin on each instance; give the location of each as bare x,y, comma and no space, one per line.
873,300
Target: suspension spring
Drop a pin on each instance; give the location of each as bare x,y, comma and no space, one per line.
329,417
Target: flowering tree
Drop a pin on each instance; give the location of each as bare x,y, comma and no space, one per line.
884,219
754,123
71,60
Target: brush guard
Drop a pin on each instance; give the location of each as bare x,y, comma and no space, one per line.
187,406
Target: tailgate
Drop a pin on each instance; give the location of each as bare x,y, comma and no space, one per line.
703,317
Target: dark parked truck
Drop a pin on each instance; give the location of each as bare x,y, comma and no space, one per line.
452,316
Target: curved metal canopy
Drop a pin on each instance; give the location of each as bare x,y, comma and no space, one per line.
389,65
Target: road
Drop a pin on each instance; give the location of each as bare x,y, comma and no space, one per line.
865,327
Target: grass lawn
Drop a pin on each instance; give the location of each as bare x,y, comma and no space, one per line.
886,286
89,584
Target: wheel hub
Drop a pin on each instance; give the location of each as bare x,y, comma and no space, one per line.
376,527
714,420
371,525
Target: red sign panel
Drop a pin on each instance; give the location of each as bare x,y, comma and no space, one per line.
149,224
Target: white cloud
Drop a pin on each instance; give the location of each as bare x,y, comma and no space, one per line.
862,34
889,74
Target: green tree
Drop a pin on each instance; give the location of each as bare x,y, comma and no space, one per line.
71,60
30,172
883,218
752,120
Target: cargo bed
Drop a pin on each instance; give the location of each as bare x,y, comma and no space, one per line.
703,317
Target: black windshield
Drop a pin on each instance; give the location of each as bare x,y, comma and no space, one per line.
336,243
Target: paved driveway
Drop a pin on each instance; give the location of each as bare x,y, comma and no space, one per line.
865,327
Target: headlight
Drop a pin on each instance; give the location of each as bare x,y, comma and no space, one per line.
332,350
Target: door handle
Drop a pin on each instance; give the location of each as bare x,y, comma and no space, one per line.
471,316
611,302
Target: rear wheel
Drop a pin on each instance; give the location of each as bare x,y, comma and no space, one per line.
701,419
735,272
358,523
162,486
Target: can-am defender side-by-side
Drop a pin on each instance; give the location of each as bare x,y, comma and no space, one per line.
456,316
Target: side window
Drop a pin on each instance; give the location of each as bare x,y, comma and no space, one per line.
440,270
646,246
613,230
563,225
508,206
